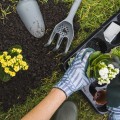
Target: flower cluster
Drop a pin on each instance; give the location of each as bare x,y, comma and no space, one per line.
11,62
106,73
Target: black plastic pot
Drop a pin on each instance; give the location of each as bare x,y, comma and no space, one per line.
97,42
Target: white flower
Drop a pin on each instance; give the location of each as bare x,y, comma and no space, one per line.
108,81
103,71
99,78
111,66
117,70
105,76
110,76
107,73
113,76
100,83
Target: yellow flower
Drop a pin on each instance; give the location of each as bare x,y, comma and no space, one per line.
16,68
6,70
16,50
26,67
23,63
19,50
9,63
5,53
13,50
4,64
19,56
12,74
8,57
1,57
13,60
2,61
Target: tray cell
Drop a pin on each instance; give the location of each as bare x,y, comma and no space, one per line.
97,44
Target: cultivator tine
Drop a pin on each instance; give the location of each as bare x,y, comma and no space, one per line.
58,43
69,41
50,39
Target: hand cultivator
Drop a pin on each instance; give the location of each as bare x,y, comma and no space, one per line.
65,29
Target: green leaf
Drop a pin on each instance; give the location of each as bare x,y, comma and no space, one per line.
1,73
101,57
1,53
96,72
93,56
6,78
15,46
3,76
93,63
116,51
88,72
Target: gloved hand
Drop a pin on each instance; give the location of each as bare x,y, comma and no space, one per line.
74,78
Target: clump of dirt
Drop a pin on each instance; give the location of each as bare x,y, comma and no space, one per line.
41,61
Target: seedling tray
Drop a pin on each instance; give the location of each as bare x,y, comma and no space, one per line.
97,42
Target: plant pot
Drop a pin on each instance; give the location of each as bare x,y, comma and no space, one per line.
100,97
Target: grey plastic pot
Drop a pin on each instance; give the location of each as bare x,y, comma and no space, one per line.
31,16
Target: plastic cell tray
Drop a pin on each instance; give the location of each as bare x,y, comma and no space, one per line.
96,41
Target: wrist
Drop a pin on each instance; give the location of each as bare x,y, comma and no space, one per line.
59,92
66,88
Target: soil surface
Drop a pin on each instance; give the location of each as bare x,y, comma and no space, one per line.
42,61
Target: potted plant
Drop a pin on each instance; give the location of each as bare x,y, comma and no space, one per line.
11,62
104,66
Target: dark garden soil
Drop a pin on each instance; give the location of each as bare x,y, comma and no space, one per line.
41,61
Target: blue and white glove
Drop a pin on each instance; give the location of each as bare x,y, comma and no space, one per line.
74,78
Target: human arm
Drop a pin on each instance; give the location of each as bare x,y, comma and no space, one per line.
73,80
46,108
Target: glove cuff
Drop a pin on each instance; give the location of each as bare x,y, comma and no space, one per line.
64,87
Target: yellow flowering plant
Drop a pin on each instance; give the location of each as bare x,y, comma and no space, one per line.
11,62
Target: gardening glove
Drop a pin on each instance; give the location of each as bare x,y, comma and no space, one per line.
75,78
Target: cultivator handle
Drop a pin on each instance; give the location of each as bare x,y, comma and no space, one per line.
73,10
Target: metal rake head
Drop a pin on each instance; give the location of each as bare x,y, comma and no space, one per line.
65,30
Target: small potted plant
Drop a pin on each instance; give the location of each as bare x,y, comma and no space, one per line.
104,67
11,62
